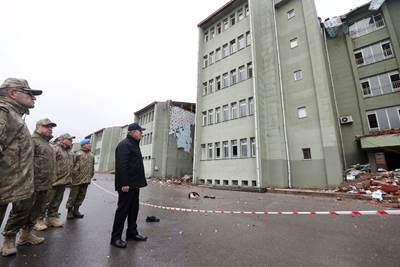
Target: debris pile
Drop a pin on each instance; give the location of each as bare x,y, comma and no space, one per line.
360,180
185,180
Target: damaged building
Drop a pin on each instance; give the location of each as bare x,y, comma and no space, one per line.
281,104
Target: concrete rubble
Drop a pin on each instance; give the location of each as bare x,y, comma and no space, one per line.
360,180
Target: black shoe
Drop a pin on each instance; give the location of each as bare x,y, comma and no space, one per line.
136,238
118,243
70,214
77,214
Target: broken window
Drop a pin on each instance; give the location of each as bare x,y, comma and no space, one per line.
234,148
226,149
366,89
293,43
217,150
210,151
253,146
219,28
306,153
298,75
395,80
218,83
301,112
212,58
211,86
233,46
204,88
240,14
373,121
291,14
249,70
233,19
225,22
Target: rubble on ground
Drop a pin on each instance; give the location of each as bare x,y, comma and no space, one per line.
185,180
360,180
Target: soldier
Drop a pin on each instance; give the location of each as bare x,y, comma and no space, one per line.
44,166
16,158
64,164
82,174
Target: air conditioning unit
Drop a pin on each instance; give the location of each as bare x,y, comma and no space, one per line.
346,119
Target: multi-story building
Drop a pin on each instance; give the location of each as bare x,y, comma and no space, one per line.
265,112
364,60
167,142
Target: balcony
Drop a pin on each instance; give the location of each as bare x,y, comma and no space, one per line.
366,26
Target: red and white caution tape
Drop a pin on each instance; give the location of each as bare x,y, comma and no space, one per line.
352,212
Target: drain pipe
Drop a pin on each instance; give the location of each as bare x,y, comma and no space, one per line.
334,99
289,171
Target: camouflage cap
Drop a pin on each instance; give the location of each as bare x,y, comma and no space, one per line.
14,83
45,122
65,136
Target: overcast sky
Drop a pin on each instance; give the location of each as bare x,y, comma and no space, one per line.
98,61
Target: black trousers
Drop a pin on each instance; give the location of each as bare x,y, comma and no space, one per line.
128,206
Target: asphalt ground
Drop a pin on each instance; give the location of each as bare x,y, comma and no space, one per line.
192,239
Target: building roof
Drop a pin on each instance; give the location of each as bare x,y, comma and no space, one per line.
185,105
216,13
354,10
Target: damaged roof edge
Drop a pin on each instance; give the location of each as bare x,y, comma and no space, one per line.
344,16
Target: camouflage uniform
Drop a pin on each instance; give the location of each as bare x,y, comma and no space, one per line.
82,175
16,165
44,170
64,165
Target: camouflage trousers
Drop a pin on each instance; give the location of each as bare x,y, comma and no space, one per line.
38,208
77,195
18,216
3,209
55,198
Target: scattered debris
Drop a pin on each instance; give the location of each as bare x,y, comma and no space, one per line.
152,219
193,195
360,180
185,180
211,197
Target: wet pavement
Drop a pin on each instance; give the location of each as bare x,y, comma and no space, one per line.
188,239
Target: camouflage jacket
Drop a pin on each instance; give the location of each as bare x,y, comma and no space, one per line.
16,153
64,165
44,162
83,167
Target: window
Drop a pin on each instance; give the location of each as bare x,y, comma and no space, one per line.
233,77
291,14
248,38
217,150
359,58
242,108
219,29
205,61
218,115
212,58
233,19
225,50
241,42
225,22
242,73
226,149
249,70
225,112
298,75
204,118
366,25
306,153
387,49
373,121
233,46
210,86
253,146
395,80
225,80
293,43
212,33
210,151
206,37
203,152
243,148
210,117
204,88
365,88
218,83
218,54
240,14
234,149
301,112
246,10
251,106
233,111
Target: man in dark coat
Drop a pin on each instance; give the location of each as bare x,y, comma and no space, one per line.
129,178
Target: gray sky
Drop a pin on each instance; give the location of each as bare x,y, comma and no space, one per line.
98,61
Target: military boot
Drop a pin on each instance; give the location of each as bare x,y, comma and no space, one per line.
27,237
54,222
9,246
70,214
40,225
77,214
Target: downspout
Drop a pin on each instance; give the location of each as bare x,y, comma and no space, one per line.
335,101
253,59
282,99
